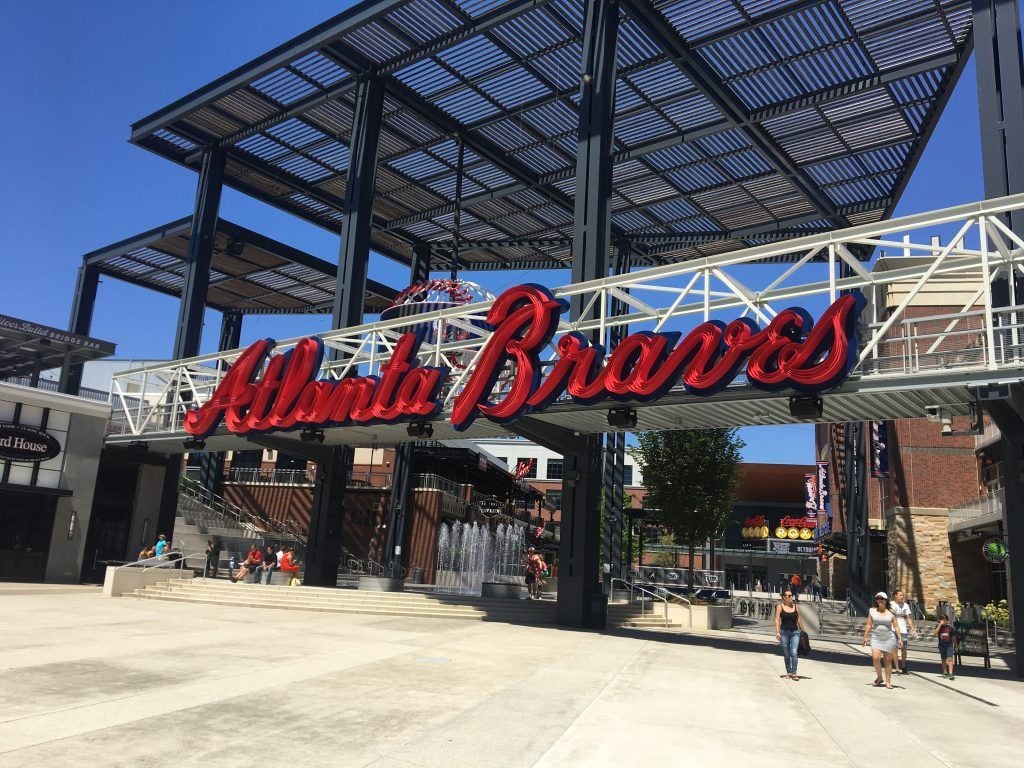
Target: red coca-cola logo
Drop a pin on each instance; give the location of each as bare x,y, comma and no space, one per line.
263,392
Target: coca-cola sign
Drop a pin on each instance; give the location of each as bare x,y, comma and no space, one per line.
21,443
263,392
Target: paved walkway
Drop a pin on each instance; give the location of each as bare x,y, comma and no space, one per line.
86,680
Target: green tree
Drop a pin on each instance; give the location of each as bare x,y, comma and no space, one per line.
691,478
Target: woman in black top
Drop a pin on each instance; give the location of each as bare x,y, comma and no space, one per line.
787,631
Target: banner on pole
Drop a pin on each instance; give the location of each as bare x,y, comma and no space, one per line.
879,449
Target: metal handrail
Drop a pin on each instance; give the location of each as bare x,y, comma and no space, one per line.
247,519
632,588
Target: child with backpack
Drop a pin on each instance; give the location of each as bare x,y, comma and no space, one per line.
946,634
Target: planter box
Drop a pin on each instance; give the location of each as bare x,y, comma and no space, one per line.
503,589
709,616
381,584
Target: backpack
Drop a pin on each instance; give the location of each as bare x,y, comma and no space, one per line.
946,634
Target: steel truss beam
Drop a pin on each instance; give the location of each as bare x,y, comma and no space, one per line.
989,341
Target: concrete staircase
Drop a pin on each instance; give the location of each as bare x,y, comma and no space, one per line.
323,599
629,615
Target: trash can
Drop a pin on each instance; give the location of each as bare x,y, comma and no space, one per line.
416,574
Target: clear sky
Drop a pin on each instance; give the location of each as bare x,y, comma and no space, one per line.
75,75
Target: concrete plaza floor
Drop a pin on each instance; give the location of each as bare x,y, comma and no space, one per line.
92,681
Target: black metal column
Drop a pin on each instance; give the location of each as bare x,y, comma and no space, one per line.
230,331
211,463
396,551
200,252
80,322
581,601
615,445
997,51
332,474
189,331
858,535
1008,415
1000,70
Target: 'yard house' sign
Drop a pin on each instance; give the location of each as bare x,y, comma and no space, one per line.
791,352
21,443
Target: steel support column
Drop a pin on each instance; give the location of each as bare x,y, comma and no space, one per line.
396,550
332,474
997,49
1008,415
581,601
189,331
80,322
615,445
211,463
858,536
1000,70
200,253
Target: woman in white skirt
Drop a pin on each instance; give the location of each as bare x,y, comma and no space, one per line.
881,628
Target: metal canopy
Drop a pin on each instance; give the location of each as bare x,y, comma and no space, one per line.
27,348
250,274
737,122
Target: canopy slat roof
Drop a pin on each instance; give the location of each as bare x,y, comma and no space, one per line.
250,273
736,121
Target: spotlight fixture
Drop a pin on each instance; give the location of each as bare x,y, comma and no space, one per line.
312,436
194,444
622,417
235,247
420,429
806,407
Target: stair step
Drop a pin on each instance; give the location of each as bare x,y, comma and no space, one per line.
437,612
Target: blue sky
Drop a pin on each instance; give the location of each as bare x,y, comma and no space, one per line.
75,76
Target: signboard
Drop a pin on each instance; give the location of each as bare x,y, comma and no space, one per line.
795,528
262,392
994,550
792,548
56,334
755,527
879,449
971,640
21,443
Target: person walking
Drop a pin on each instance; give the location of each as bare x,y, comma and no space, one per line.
905,622
881,627
788,627
796,585
947,640
269,564
161,546
757,586
534,569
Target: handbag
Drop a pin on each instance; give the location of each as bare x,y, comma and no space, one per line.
804,648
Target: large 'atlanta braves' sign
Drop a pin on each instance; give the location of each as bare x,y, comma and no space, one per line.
263,392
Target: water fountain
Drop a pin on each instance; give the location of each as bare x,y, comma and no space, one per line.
473,560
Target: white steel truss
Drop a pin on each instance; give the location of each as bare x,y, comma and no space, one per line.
917,349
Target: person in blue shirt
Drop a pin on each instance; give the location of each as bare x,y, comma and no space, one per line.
161,546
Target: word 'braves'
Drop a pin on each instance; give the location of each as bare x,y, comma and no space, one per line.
281,392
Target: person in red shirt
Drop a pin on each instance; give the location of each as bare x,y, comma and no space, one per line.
290,567
251,565
796,584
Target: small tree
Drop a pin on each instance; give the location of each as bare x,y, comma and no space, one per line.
691,478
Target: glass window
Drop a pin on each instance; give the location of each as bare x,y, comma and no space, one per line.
627,475
531,471
554,469
554,499
502,459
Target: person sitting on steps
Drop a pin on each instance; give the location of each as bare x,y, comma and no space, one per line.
290,567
